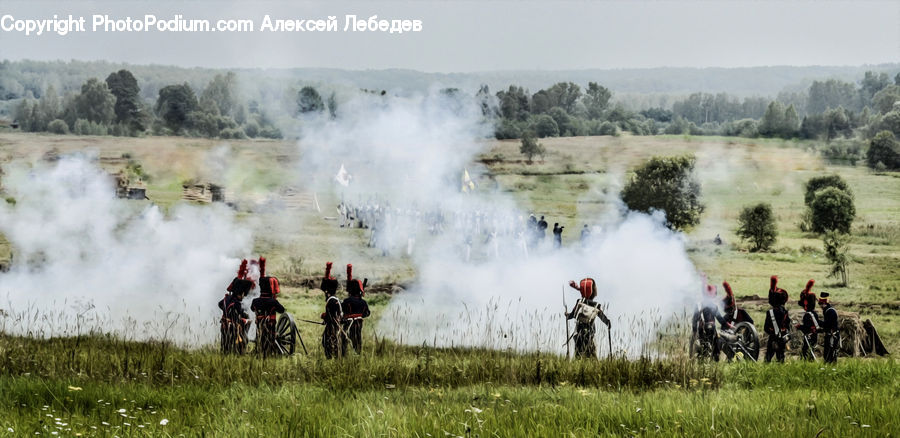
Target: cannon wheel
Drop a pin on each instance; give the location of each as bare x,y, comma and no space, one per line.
748,338
286,334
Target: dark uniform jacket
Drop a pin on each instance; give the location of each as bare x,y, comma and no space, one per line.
232,307
355,307
830,321
782,320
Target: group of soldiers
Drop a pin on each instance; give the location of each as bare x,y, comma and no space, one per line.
777,322
488,233
342,320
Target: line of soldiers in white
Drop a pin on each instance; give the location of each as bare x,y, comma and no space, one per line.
492,233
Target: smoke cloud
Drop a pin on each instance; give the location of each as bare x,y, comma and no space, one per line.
85,261
480,282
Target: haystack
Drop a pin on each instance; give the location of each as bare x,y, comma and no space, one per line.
202,192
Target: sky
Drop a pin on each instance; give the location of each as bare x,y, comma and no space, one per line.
473,36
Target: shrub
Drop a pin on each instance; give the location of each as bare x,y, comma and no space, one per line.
58,126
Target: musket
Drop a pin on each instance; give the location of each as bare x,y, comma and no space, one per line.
565,312
312,322
609,337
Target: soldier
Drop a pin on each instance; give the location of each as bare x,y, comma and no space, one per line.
234,321
733,314
810,322
266,308
704,321
332,316
585,235
777,322
832,340
586,310
557,235
542,229
355,310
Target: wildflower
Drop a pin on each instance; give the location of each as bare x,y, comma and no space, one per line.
74,388
163,422
10,430
122,411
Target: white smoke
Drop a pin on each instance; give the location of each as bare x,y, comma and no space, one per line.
85,261
475,289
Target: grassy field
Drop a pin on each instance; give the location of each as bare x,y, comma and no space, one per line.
102,386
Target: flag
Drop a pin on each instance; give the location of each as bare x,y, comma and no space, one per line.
467,184
343,177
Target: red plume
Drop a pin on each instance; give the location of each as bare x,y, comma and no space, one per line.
242,271
349,272
773,282
809,285
728,290
328,270
262,267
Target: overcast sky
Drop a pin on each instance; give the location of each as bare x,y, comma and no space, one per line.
464,36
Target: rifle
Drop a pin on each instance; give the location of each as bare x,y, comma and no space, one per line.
565,312
809,347
312,322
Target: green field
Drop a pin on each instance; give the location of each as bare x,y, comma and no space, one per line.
419,391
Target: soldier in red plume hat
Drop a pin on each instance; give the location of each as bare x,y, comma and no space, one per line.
778,322
704,321
733,314
831,329
332,316
355,310
234,321
585,312
266,307
809,325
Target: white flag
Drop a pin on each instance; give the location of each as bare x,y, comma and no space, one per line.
343,177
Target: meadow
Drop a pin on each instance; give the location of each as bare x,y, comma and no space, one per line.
108,386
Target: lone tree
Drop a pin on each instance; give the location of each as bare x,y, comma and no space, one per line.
667,184
821,182
832,210
124,86
757,224
530,146
309,100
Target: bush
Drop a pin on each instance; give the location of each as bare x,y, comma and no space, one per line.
232,133
757,224
507,129
607,128
544,126
885,150
85,127
251,129
58,126
832,210
667,184
843,151
270,131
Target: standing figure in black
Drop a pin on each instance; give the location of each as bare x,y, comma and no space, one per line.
585,236
235,320
832,341
332,316
557,235
267,308
778,322
704,324
585,312
809,325
542,229
355,310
